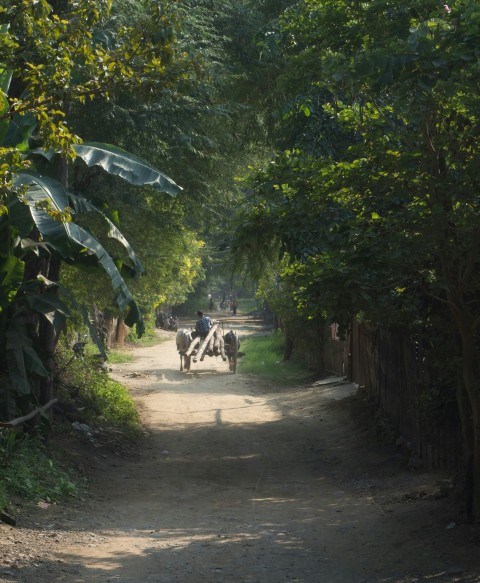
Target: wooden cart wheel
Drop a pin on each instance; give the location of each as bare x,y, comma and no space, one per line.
235,354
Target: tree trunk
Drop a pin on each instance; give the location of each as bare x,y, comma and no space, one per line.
465,413
470,416
109,323
48,337
473,471
121,332
287,354
101,325
47,332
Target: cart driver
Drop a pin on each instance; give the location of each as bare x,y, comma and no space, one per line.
203,325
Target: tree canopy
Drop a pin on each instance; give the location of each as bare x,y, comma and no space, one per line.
375,203
56,58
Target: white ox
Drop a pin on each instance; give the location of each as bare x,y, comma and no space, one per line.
183,340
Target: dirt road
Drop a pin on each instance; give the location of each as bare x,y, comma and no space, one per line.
243,482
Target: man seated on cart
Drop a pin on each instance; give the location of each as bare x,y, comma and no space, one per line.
202,326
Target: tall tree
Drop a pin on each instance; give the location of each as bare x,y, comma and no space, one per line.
53,62
390,217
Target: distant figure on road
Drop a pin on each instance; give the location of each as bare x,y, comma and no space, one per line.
234,307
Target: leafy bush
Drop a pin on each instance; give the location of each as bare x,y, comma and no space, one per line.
3,496
264,357
108,403
30,471
8,444
149,338
247,305
119,356
82,381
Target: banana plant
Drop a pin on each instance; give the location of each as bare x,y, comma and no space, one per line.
39,221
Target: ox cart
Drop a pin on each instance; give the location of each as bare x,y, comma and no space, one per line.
214,344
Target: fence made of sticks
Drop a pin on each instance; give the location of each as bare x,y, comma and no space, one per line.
392,370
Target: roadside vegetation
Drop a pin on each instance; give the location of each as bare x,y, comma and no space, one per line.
149,338
264,358
31,471
322,153
247,305
154,87
83,382
368,209
119,356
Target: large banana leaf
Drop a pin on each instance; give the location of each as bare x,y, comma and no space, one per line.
81,308
86,241
128,166
46,196
22,358
11,277
5,79
82,205
51,306
123,297
69,239
4,106
17,222
5,74
20,130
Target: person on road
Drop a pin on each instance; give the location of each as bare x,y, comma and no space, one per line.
203,325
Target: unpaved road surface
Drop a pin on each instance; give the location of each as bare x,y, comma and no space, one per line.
243,482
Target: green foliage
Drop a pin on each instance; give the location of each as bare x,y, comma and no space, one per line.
374,222
54,62
9,442
109,404
119,356
174,264
204,132
32,472
3,496
49,206
103,402
69,64
246,305
194,302
381,224
150,338
133,169
263,357
114,356
170,254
